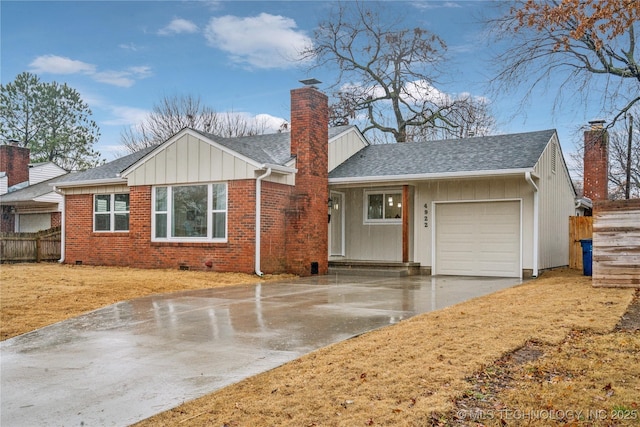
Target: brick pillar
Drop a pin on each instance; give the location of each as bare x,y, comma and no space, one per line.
596,162
14,161
307,224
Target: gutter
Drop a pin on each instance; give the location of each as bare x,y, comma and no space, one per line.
63,227
258,217
536,221
90,182
427,176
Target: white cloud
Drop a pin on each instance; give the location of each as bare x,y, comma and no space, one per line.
128,46
178,26
54,64
263,41
270,123
125,116
436,5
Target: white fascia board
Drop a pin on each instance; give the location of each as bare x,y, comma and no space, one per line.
89,183
429,176
179,135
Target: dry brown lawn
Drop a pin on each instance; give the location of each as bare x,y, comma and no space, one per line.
548,352
36,295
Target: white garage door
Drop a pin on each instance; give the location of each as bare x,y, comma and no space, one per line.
478,239
30,223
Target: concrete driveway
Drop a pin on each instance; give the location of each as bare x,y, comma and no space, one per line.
128,361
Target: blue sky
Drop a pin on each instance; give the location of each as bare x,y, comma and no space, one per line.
124,56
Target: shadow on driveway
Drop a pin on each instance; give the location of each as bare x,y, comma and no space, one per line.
131,360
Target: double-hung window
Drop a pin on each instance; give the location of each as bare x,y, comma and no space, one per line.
110,212
190,213
383,207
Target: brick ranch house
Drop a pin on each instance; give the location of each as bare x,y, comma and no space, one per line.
296,202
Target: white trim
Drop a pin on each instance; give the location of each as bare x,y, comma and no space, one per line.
258,220
89,183
434,267
342,222
365,206
209,238
536,222
111,212
429,176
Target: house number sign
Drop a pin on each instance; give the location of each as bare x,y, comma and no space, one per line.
426,215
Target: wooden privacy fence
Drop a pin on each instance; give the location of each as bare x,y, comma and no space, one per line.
30,247
616,243
580,227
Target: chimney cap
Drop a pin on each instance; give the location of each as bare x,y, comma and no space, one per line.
597,124
310,82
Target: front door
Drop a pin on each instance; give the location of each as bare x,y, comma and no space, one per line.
336,224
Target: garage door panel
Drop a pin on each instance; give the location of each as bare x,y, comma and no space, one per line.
478,238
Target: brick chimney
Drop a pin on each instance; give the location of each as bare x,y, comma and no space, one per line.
596,162
14,160
307,227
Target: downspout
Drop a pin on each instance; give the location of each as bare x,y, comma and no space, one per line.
63,224
536,221
258,216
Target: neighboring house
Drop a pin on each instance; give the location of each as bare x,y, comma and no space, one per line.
488,206
27,198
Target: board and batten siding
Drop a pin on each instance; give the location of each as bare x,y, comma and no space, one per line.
369,242
556,205
190,159
343,147
616,244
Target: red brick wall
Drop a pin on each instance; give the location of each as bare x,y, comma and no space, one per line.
83,245
596,164
273,226
135,248
14,161
56,218
307,225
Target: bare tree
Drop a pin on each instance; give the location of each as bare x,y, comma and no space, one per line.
472,115
586,46
174,113
386,73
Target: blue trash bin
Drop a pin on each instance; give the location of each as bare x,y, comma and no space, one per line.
587,249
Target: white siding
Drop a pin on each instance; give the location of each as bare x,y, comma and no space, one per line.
43,171
190,159
374,242
340,149
556,205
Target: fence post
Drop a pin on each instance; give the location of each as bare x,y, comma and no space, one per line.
38,249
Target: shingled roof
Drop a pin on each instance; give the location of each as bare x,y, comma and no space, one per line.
487,153
272,148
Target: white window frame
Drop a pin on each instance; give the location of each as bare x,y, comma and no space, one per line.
112,212
210,211
385,192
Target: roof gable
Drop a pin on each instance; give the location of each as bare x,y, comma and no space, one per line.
455,156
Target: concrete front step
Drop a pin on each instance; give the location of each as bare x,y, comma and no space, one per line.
373,268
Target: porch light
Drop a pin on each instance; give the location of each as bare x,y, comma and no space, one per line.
399,205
